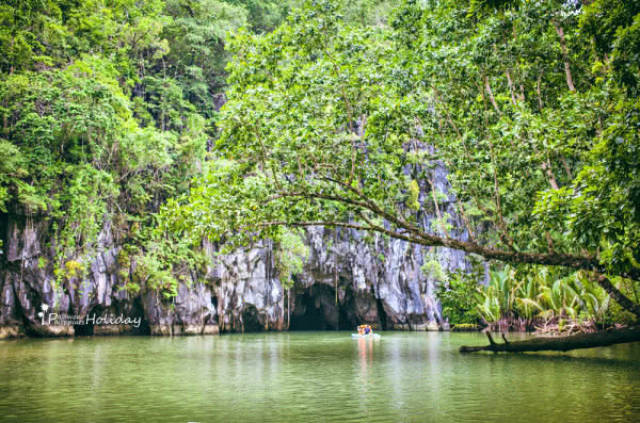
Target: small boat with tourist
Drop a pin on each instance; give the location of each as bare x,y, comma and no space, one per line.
365,332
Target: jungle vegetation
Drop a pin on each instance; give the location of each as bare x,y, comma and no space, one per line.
522,298
337,114
108,109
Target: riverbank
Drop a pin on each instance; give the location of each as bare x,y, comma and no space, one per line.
56,331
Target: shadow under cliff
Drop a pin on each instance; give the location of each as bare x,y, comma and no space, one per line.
317,307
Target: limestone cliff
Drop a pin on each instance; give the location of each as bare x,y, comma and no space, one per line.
378,281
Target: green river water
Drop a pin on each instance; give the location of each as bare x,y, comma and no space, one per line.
309,377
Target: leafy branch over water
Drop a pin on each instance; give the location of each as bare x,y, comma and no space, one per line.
535,118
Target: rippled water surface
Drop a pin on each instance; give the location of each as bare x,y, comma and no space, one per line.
311,376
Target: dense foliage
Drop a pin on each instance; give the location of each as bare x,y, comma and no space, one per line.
528,298
531,106
339,115
459,297
107,110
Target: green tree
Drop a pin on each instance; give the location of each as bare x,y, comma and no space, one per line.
329,121
106,109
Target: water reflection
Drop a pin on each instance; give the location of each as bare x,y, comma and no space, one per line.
325,376
365,352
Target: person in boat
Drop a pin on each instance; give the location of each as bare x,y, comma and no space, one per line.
364,330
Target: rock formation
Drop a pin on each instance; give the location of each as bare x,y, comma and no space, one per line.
378,281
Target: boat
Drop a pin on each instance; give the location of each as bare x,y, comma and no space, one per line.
365,332
374,336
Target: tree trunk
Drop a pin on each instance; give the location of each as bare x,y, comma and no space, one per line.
618,296
561,343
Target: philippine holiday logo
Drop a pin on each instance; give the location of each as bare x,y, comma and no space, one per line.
51,318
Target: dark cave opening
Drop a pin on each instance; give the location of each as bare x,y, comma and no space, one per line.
315,308
251,319
382,315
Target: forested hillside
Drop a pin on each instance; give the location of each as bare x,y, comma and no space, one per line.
506,130
532,107
108,109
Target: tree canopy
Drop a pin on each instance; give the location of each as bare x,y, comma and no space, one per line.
532,108
342,114
107,108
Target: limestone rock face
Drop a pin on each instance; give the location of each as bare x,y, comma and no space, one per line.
29,296
249,294
348,278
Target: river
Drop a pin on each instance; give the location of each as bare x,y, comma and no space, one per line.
308,377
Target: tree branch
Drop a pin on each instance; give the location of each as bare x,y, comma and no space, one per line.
418,236
618,296
565,56
487,87
560,343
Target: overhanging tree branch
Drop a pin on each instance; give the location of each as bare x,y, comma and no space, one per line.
560,343
618,296
418,236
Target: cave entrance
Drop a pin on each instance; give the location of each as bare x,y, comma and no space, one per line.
315,308
251,319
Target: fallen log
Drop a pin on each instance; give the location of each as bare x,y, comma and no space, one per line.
560,343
